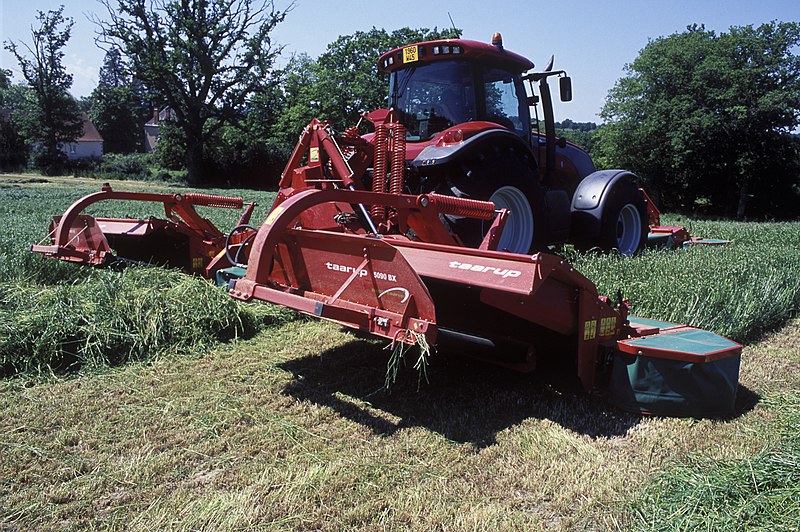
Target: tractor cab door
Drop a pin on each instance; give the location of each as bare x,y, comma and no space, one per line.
504,100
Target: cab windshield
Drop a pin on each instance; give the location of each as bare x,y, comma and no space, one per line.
432,97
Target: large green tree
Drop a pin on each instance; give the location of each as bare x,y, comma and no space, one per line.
53,118
701,114
206,58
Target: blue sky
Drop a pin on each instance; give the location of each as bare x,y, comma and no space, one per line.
592,40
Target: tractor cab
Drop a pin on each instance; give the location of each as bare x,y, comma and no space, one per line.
436,85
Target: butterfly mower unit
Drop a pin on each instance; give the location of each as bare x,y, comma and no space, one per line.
422,232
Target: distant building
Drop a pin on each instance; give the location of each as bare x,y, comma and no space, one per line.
88,146
151,128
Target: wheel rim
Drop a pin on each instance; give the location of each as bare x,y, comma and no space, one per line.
518,231
629,229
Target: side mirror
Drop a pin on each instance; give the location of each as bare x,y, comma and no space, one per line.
565,87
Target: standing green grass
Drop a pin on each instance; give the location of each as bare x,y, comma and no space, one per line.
739,290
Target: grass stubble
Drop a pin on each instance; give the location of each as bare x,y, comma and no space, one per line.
289,429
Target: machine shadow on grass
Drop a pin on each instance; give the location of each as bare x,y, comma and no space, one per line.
465,401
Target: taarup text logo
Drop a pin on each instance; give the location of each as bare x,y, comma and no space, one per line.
502,272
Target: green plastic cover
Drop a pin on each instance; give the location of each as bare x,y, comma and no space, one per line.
685,344
666,387
224,276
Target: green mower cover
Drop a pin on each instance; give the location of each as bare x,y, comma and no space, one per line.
665,387
223,277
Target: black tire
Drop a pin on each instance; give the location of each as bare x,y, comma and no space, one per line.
624,221
480,176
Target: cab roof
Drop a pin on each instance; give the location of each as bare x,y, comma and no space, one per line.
429,51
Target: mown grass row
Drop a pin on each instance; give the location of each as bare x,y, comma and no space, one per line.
110,317
56,316
758,493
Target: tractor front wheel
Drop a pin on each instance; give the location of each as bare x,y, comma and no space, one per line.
503,176
518,232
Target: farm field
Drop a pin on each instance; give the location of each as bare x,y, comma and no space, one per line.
255,417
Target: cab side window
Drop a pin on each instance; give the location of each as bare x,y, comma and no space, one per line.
502,99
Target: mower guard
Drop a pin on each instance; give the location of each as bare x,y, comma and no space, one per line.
677,372
184,239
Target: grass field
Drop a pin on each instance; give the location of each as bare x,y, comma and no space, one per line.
287,427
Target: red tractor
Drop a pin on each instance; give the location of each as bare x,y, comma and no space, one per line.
466,111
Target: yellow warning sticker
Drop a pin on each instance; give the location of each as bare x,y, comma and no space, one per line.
197,263
313,155
608,326
274,214
410,54
590,330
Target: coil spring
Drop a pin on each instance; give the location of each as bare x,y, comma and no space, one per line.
379,168
470,208
397,182
209,200
351,133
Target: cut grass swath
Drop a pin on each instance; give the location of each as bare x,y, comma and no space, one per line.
113,317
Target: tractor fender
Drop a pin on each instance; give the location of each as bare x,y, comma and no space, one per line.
591,201
439,153
593,189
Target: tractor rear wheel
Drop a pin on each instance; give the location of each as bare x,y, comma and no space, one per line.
623,225
508,179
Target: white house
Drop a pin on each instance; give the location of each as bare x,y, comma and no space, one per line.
88,146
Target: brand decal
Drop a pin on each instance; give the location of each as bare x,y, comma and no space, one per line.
361,273
502,272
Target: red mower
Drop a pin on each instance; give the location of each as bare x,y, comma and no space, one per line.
438,229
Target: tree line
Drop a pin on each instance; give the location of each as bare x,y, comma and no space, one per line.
707,116
703,118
